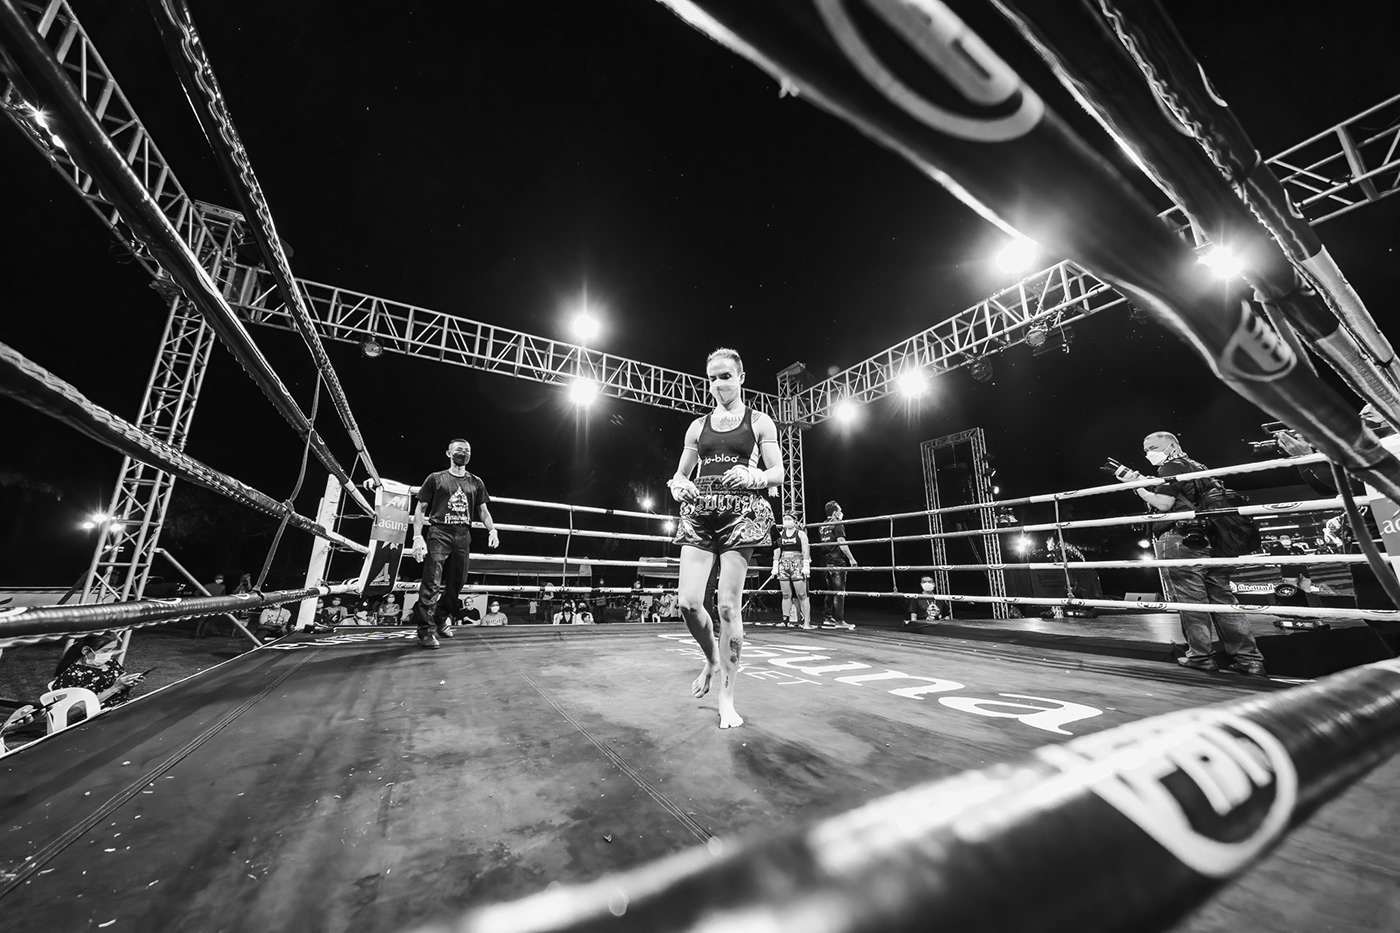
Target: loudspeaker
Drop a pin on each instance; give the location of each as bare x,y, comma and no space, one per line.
1320,652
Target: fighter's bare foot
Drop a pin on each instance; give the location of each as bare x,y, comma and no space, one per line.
701,684
728,719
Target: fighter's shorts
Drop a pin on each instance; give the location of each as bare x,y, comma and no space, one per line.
720,519
790,567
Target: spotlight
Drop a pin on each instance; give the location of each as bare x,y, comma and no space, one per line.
979,369
1144,543
1024,544
586,326
845,411
1223,262
645,502
88,526
1016,256
583,391
912,383
1037,334
117,527
371,349
1146,555
99,517
669,525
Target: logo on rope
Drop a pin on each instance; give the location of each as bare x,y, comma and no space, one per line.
1255,353
1280,506
996,105
1211,787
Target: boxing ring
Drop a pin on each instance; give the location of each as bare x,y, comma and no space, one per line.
540,778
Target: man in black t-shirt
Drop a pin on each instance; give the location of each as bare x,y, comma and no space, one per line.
450,499
836,556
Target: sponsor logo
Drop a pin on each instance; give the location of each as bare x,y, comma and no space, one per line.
1211,787
996,105
1254,352
1280,506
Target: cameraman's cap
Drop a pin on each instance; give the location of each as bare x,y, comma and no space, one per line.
831,507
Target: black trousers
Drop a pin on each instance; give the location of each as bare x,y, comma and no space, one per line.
444,572
834,604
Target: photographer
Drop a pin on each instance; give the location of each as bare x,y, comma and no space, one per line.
1185,540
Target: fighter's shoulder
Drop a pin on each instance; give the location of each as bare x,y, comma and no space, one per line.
763,424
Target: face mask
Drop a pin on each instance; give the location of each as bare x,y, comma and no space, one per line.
1156,457
459,458
495,608
100,658
926,587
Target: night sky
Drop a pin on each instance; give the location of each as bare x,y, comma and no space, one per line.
500,160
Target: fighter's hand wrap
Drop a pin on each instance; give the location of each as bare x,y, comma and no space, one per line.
806,568
746,477
681,488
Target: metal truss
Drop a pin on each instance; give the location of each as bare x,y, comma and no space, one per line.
1350,165
794,491
981,489
353,317
74,51
128,542
1056,297
1340,169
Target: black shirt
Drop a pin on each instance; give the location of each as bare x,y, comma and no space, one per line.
832,534
452,500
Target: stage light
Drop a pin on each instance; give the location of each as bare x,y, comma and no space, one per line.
88,526
583,391
1016,256
996,490
99,517
645,502
1144,543
912,383
845,411
586,326
117,527
1146,555
1024,544
1037,333
1224,263
979,369
371,349
669,525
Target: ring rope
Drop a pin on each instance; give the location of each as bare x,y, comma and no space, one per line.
1246,561
1042,498
1307,612
29,625
32,384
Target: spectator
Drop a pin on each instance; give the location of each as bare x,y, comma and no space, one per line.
472,615
924,608
92,664
334,614
565,615
1187,540
215,588
494,615
837,557
389,610
362,616
273,622
582,615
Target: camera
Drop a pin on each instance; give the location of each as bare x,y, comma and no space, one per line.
1194,532
1111,466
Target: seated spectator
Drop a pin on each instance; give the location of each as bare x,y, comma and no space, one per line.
565,615
472,616
334,614
362,617
273,622
389,611
924,608
494,615
92,664
582,616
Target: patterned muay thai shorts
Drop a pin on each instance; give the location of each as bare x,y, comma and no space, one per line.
721,519
790,567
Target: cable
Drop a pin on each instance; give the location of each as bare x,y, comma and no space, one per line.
287,506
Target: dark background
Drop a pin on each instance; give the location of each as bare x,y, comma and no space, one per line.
497,159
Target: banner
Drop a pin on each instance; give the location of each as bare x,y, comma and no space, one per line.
393,503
